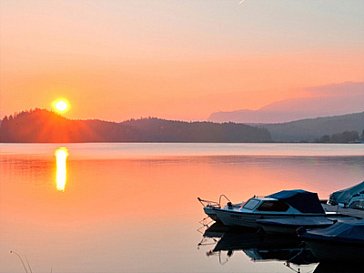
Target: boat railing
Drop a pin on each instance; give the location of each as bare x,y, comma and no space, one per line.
209,203
223,196
258,196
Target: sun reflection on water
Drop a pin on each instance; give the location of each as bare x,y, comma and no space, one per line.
61,155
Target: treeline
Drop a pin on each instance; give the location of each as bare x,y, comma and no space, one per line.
42,126
344,137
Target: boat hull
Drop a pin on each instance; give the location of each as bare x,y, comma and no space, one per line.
291,225
211,212
250,220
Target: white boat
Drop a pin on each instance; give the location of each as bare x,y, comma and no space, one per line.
292,204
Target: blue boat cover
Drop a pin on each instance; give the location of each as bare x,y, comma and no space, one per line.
304,201
352,231
344,196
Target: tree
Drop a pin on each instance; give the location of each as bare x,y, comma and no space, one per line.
324,139
345,137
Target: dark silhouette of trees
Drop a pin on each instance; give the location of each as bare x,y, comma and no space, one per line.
324,139
44,126
344,137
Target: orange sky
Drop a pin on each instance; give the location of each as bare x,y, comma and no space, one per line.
179,60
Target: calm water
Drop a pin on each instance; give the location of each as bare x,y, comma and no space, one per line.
133,207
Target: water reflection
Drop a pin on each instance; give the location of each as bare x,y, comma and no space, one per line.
118,208
292,251
257,246
339,267
61,155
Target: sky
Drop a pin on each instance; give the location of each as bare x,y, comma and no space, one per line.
116,60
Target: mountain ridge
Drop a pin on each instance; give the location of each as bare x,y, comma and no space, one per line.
311,129
42,126
47,127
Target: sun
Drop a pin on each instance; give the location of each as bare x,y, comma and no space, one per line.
61,105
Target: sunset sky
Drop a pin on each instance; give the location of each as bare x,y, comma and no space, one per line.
116,60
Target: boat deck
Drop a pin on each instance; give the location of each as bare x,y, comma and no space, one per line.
345,211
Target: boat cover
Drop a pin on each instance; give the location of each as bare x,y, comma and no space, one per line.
304,201
351,232
344,196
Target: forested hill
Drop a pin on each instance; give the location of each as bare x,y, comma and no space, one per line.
310,130
42,126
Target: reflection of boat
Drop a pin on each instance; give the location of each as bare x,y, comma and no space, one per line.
263,247
284,204
342,241
332,254
339,267
216,230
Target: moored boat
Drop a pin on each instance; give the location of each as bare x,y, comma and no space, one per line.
287,204
347,197
342,241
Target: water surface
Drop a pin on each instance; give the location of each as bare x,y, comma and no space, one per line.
133,207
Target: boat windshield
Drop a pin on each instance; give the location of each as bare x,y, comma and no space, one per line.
251,204
273,206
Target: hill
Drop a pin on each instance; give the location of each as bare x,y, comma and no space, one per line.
321,101
42,126
311,129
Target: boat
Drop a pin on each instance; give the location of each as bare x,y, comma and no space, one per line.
286,204
342,241
343,197
210,207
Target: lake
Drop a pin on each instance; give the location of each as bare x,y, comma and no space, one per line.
133,207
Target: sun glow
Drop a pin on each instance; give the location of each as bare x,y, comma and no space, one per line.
61,105
61,155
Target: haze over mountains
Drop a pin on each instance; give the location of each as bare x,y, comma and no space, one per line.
329,100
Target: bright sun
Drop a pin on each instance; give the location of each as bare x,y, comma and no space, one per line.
61,105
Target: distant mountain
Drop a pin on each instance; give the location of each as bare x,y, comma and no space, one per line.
47,127
312,129
329,100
